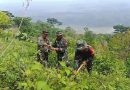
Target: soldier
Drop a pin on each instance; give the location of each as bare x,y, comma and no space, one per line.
43,43
60,46
84,54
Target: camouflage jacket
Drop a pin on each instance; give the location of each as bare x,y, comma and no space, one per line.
61,45
42,43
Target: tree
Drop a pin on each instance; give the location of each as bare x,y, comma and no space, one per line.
9,14
53,21
4,21
26,25
120,28
26,21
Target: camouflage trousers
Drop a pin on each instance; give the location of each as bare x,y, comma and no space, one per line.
61,57
88,65
42,56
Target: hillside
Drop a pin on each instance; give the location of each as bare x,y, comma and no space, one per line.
19,69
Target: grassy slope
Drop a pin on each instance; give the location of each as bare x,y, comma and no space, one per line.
19,69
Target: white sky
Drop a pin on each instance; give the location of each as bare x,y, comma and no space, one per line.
74,12
64,5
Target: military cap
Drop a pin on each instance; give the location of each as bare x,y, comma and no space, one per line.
59,33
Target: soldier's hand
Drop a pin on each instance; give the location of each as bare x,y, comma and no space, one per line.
84,62
56,49
45,44
49,46
60,49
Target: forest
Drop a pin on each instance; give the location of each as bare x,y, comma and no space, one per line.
20,70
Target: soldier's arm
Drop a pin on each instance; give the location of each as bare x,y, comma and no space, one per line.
39,42
45,44
53,46
64,47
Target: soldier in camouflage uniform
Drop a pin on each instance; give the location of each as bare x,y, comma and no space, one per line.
60,46
84,53
43,43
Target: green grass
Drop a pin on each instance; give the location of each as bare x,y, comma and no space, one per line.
20,70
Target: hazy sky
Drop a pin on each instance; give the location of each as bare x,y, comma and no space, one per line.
66,5
99,15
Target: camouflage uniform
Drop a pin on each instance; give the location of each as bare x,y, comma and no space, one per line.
61,44
62,49
43,48
84,52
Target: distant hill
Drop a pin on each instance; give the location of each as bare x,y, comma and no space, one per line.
77,14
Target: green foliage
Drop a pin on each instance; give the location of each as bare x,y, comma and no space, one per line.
128,67
120,28
19,69
89,36
53,21
25,24
120,44
9,14
4,20
22,36
26,21
70,32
